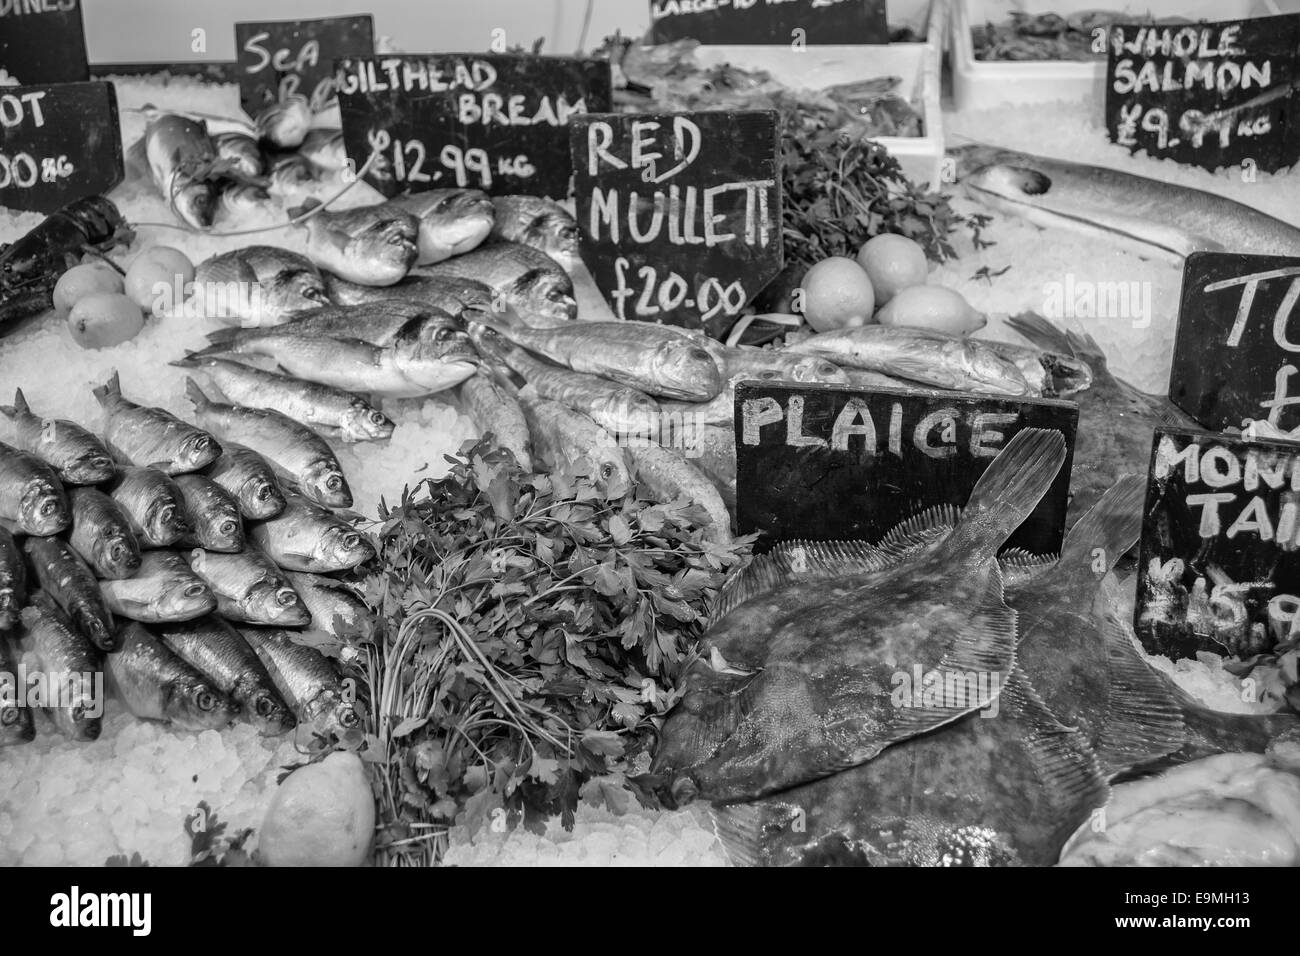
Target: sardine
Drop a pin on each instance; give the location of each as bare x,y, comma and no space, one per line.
562,437
31,495
309,403
371,245
530,283
496,412
250,478
307,679
241,152
452,221
16,725
152,504
219,652
668,476
13,583
77,456
139,435
307,537
294,447
68,580
336,608
258,286
163,590
156,684
215,521
250,588
70,663
540,223
101,534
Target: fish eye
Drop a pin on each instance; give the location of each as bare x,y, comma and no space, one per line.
698,354
9,716
264,492
286,597
607,471
48,507
117,551
229,527
348,717
205,700
377,418
78,713
351,540
334,482
264,707
195,590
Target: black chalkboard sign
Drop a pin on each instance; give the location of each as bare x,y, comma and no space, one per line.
495,122
284,57
1237,348
58,143
1208,94
680,213
42,41
1220,558
829,462
790,22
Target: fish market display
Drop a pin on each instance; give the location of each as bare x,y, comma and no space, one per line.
164,590
250,478
214,516
70,661
101,534
76,455
153,505
266,286
307,537
137,435
31,496
157,684
530,283
70,583
250,588
309,682
537,222
369,245
452,221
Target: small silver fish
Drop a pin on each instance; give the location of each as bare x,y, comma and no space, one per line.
250,588
139,435
307,679
157,685
497,412
77,456
215,521
101,534
152,504
250,478
307,537
163,590
68,580
31,495
70,661
529,283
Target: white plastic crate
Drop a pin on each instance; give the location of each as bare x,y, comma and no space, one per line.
979,84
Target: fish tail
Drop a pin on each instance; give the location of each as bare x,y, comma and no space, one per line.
19,407
190,360
1211,732
1108,531
1008,491
195,395
221,342
1041,332
109,392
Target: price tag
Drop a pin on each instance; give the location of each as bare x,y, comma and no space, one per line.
58,143
680,213
494,122
289,57
42,41
792,22
830,462
1208,94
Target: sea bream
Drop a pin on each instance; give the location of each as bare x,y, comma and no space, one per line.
152,504
215,521
258,285
152,437
31,496
452,221
919,355
495,411
529,283
307,537
215,649
538,222
250,588
13,582
101,534
71,665
77,456
165,589
293,446
656,359
451,294
794,679
156,684
184,165
250,478
307,679
376,322
1153,218
370,245
68,580
311,403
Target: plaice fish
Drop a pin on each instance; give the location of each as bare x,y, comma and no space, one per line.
1152,218
293,446
427,355
376,322
919,355
1116,420
180,157
307,679
562,436
307,537
101,534
77,456
794,681
156,684
312,404
742,360
529,283
541,223
669,476
70,663
219,652
452,221
451,294
16,725
370,245
250,588
31,495
163,590
68,580
258,286
336,608
656,359
152,504
250,478
215,521
13,582
139,435
241,151
495,411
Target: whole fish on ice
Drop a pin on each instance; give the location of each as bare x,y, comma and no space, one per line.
165,589
157,685
31,495
70,663
529,283
77,456
451,294
140,435
152,504
541,223
258,285
307,679
370,245
69,582
495,411
13,582
184,165
250,478
215,519
452,221
562,436
101,534
250,588
307,537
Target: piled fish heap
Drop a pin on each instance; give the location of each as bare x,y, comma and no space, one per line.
190,568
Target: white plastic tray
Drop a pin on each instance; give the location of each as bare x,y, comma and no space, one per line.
978,84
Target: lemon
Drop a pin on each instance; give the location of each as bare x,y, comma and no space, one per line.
893,263
83,280
837,294
104,319
931,307
160,265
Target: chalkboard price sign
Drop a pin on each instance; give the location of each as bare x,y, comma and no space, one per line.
1208,94
58,143
287,57
1238,312
42,41
829,462
789,22
1220,560
496,122
679,213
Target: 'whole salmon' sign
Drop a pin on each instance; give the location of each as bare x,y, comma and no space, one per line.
679,213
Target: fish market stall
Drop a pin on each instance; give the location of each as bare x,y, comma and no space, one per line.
361,503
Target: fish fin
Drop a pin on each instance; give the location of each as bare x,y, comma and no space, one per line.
741,828
791,560
189,360
1144,720
1008,492
195,395
1041,333
1108,531
109,392
920,530
19,407
1019,566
